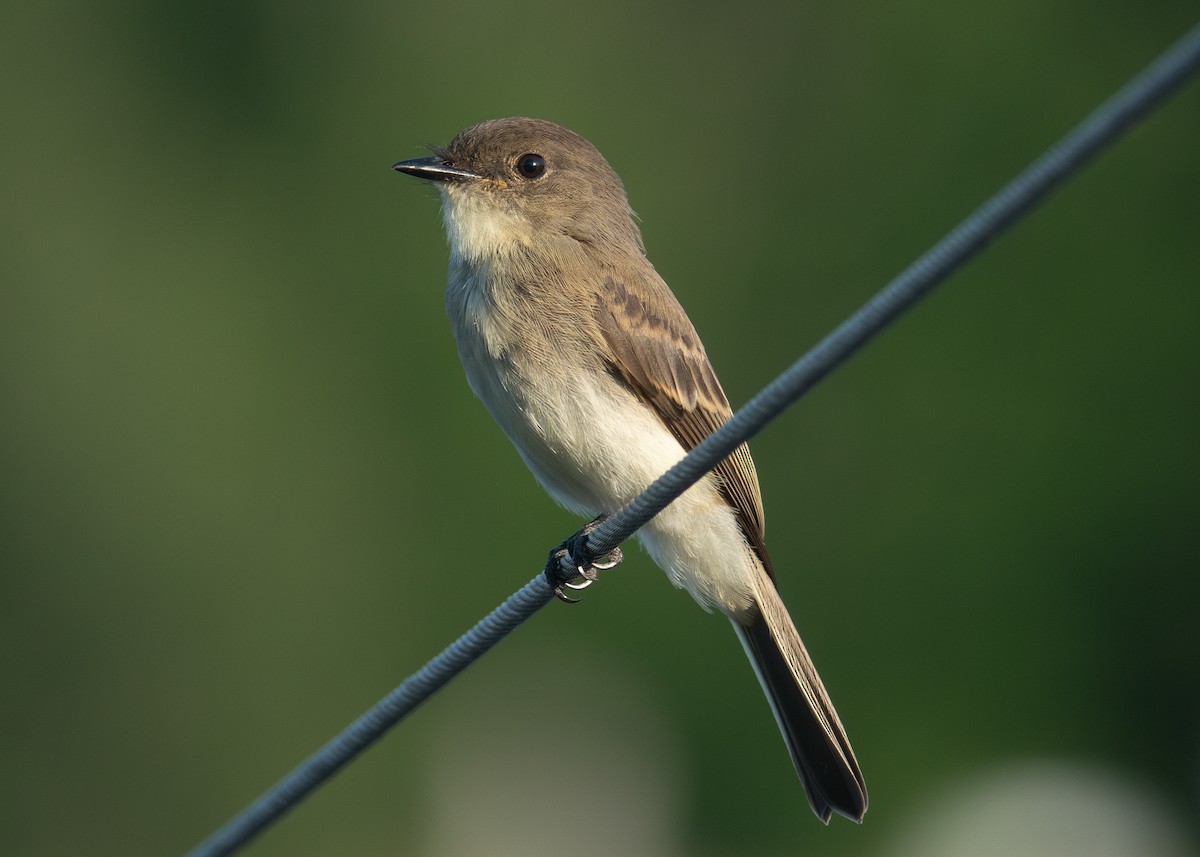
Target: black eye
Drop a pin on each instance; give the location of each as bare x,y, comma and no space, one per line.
531,166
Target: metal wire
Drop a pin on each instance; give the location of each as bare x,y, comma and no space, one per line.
381,717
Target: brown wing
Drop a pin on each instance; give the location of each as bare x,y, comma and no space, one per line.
656,351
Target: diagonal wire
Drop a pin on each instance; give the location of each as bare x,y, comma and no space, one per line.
1160,79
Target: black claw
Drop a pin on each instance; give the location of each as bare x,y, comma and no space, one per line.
563,597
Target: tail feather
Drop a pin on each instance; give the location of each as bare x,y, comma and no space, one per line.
811,729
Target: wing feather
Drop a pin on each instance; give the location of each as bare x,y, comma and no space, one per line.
660,357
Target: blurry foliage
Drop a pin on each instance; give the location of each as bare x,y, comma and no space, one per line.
245,489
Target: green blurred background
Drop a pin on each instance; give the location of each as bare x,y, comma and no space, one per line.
246,489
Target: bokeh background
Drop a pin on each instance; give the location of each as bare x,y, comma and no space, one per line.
245,489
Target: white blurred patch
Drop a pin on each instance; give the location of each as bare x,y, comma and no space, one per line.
569,756
1045,809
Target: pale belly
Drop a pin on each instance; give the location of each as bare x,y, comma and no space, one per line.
594,446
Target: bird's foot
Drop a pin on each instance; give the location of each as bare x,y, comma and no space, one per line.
585,574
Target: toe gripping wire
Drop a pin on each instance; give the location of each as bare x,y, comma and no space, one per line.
573,565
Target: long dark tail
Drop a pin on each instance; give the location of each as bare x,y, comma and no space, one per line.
810,726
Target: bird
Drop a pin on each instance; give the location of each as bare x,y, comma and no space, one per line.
591,367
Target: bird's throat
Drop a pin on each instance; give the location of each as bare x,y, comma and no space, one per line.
477,228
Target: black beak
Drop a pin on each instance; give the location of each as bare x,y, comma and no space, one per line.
434,169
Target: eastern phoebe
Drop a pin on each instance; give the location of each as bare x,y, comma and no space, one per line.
588,362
